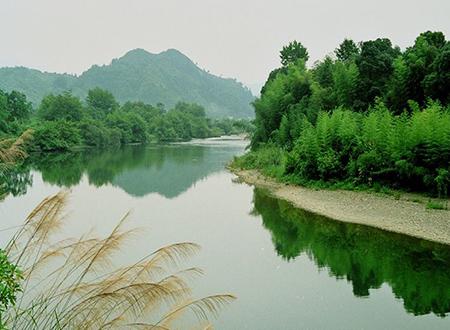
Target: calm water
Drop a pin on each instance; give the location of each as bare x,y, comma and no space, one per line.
290,269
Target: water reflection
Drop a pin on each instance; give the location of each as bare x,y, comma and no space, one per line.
416,270
15,181
168,170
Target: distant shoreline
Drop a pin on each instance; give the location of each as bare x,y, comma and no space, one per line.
222,138
402,216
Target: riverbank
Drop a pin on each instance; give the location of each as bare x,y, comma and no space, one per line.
405,215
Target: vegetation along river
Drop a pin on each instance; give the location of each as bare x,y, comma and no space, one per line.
290,269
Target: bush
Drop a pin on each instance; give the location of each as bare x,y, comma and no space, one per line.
269,158
55,136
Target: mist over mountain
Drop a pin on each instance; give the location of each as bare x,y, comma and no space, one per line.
168,77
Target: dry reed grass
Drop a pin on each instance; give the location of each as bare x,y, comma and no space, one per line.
12,150
72,284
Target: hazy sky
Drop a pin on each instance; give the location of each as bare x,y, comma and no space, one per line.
233,38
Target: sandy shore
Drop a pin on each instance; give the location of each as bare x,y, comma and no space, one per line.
406,215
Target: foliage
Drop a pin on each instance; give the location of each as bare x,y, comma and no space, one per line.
60,135
10,276
100,103
347,51
270,159
293,52
64,106
95,133
375,65
14,110
287,94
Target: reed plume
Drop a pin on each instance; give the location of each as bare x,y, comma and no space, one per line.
13,150
72,284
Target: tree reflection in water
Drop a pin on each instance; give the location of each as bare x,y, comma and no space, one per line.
416,270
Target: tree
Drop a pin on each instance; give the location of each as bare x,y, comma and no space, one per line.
419,60
61,107
347,51
323,72
272,75
434,39
293,52
437,83
101,102
59,135
375,65
287,92
345,81
14,109
18,107
191,108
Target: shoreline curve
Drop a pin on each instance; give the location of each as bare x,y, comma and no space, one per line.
402,216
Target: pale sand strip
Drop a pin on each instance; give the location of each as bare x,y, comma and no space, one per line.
381,211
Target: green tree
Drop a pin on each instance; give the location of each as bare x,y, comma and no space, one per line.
375,65
397,95
131,125
323,72
64,106
58,135
101,102
345,82
347,51
14,110
287,92
19,107
437,83
191,109
293,52
421,67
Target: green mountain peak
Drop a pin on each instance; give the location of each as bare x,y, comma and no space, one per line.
167,77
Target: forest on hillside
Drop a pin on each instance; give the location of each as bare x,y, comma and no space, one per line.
370,115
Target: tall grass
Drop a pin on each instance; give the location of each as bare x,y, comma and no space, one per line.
72,284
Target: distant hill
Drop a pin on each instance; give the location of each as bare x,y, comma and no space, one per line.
167,77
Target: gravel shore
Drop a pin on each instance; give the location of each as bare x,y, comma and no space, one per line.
405,215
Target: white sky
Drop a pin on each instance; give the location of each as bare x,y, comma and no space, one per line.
233,38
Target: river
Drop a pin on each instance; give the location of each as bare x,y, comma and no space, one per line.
288,268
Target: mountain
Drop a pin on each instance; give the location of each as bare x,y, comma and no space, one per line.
167,77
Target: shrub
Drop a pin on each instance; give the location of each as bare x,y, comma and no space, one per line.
56,136
270,159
